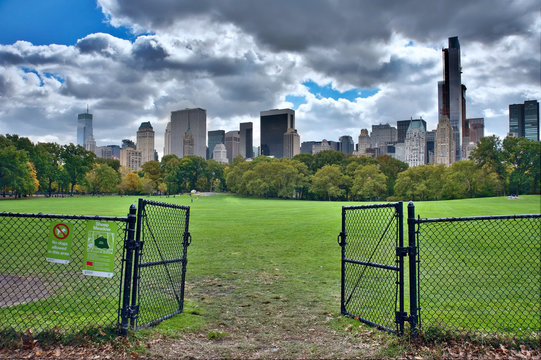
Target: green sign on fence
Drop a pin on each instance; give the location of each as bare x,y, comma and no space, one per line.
100,249
59,245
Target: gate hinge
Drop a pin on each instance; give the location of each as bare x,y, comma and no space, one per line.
402,251
133,245
406,251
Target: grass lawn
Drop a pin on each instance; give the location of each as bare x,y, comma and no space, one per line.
264,275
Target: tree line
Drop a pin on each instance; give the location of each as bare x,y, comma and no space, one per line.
496,167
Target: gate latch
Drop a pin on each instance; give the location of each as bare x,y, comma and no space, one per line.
133,312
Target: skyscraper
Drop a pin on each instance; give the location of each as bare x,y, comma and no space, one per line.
274,124
524,120
415,143
167,139
451,92
196,120
445,148
346,144
84,128
382,134
364,142
215,137
145,142
292,143
246,145
232,140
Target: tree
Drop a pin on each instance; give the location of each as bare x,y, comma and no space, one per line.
369,183
488,155
113,163
77,162
422,182
307,159
523,157
46,159
132,184
330,183
153,173
16,172
328,157
390,167
102,178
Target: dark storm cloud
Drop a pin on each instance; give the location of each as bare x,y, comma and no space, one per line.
298,25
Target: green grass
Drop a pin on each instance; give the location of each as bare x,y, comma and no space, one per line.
259,257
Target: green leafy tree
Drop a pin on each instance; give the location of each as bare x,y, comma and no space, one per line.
391,167
369,183
330,183
523,157
488,154
102,178
113,163
328,157
153,173
17,173
307,159
46,159
77,162
422,182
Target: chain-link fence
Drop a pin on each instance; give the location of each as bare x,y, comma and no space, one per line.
59,272
371,275
161,264
480,275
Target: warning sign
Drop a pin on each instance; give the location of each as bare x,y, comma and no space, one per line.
59,244
100,249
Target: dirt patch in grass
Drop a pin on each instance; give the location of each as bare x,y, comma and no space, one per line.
18,289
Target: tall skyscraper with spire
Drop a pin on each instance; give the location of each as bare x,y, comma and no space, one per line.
84,129
196,121
451,93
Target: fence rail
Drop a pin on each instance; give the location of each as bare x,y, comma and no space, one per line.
469,275
69,273
481,274
42,284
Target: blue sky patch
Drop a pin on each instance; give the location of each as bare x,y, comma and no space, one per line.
39,24
28,70
327,91
296,100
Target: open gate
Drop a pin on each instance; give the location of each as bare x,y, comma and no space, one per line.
155,264
373,265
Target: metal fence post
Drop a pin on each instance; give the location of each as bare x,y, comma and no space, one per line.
400,221
342,243
128,265
413,317
137,255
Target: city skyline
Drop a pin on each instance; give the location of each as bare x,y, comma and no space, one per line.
130,65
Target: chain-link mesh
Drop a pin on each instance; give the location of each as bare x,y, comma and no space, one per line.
481,275
42,285
162,263
370,264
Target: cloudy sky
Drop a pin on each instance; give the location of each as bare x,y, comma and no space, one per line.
343,65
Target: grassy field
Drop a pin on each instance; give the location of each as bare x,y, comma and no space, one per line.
264,275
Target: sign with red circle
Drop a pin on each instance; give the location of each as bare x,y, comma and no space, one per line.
61,231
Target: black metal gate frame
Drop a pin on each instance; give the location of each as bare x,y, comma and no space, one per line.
411,250
132,255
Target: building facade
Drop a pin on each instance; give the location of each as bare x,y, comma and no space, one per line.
347,146
246,145
364,142
215,137
524,120
232,142
145,142
196,121
84,129
274,124
445,148
383,134
451,92
292,144
219,153
415,143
